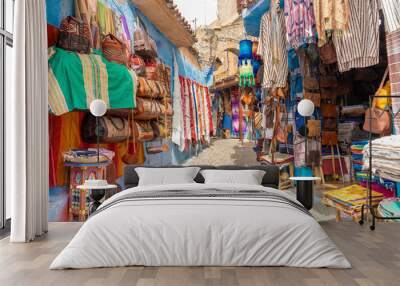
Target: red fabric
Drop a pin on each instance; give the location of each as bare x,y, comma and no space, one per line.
208,97
52,35
192,124
327,166
54,147
184,111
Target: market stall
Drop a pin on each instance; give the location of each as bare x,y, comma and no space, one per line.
158,107
330,60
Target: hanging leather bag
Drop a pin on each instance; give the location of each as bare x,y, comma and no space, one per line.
313,128
144,45
327,53
74,35
131,157
377,121
329,110
111,129
143,131
329,138
115,50
315,97
328,82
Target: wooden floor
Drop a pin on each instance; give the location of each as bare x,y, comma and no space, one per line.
375,257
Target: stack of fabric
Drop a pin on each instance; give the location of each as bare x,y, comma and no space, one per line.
386,157
389,208
350,199
357,148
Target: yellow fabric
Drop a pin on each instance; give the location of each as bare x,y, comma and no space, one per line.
69,138
382,103
354,195
330,16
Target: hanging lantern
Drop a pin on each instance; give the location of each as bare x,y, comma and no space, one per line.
246,50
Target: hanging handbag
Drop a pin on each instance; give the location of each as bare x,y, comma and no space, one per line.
115,50
151,71
151,89
131,157
313,128
137,65
143,131
329,110
310,83
327,53
111,129
315,97
329,81
329,94
377,121
148,109
330,124
74,35
329,138
143,44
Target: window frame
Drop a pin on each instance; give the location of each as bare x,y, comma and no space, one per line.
6,39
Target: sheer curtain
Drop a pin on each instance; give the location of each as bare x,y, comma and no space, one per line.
27,124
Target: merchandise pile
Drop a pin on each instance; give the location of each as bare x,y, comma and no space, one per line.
350,199
386,157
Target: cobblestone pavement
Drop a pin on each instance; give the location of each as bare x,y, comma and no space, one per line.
226,152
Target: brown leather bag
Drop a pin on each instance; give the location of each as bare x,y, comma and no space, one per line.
328,94
115,50
315,97
329,138
131,157
327,53
310,83
313,128
329,110
329,81
144,131
330,124
111,129
143,44
377,121
74,35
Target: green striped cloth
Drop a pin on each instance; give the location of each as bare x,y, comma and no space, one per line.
77,79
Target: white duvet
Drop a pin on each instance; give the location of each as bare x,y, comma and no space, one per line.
200,232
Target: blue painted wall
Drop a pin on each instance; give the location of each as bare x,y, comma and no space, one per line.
59,9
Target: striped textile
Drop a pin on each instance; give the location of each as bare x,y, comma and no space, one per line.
75,80
275,63
393,50
358,47
391,10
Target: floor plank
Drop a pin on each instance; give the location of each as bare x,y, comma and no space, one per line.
375,257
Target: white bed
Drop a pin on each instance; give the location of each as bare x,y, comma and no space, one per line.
206,230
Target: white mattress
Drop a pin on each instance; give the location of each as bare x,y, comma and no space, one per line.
200,232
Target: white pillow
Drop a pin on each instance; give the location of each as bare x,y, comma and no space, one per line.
244,177
166,176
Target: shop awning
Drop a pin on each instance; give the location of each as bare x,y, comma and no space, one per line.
164,15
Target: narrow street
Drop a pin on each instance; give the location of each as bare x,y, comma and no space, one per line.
226,152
